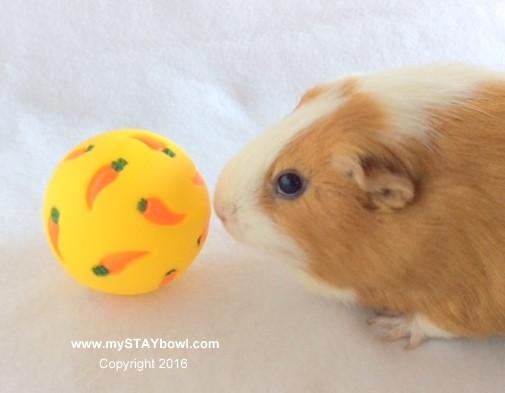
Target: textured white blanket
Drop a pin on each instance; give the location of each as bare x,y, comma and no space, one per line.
210,75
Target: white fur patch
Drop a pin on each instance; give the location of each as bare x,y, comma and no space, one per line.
346,296
409,94
429,329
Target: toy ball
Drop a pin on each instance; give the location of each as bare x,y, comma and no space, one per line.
126,212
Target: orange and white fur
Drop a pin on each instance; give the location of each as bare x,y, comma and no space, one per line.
403,202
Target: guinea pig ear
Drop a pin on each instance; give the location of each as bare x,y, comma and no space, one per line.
388,185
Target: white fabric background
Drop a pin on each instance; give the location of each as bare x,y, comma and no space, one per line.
210,75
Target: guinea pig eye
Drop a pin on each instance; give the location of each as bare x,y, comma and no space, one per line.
290,185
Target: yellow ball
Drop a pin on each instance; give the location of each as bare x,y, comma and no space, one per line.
126,212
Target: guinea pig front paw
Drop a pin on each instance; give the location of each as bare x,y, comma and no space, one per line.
396,327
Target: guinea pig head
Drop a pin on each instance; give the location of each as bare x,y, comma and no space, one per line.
307,186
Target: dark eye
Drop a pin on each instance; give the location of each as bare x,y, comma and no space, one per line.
290,185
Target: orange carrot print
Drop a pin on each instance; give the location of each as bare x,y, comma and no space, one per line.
155,211
155,145
79,152
198,179
169,277
53,229
116,263
105,175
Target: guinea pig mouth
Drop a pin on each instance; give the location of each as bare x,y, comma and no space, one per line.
226,214
233,228
236,228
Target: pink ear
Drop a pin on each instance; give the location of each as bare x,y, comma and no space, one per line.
388,186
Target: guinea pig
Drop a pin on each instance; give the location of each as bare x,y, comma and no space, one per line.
387,190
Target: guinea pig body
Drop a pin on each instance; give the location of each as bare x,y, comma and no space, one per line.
388,190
